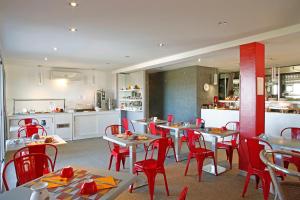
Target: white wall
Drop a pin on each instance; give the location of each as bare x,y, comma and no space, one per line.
22,82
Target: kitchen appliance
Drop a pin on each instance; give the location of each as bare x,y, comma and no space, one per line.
100,99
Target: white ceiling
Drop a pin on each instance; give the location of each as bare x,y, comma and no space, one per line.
110,30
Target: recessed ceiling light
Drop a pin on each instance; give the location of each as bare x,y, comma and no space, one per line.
222,23
199,59
127,56
55,48
107,63
73,29
45,58
73,4
162,44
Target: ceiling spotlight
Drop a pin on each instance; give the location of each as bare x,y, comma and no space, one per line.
222,23
46,59
162,44
107,63
199,59
127,56
55,48
73,29
73,4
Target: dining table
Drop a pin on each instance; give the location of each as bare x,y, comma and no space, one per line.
176,129
131,144
15,144
280,143
109,184
146,122
214,135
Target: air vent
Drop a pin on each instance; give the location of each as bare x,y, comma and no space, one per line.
69,75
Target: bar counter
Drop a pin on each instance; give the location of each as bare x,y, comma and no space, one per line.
274,121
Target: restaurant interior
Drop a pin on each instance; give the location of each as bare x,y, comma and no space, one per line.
150,99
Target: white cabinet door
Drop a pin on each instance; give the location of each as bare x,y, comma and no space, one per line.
107,119
85,126
63,125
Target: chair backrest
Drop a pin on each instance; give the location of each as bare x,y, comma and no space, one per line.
170,118
30,130
199,121
31,166
48,149
162,150
183,193
114,129
192,138
7,165
125,124
153,129
254,148
294,131
235,126
28,121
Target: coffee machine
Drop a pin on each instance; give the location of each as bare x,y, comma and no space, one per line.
100,99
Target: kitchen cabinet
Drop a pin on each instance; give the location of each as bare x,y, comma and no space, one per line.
105,119
63,125
85,126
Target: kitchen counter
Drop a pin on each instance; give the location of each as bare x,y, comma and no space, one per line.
274,121
69,126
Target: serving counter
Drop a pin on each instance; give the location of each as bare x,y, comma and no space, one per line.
274,121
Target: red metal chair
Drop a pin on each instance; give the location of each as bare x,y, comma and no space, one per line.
294,134
32,166
231,145
48,149
125,124
200,153
11,162
257,167
170,118
183,138
30,130
183,193
120,153
151,167
28,121
164,133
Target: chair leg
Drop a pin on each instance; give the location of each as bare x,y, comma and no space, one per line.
200,160
167,150
257,181
286,164
173,147
266,188
246,184
230,156
187,165
110,161
123,162
151,181
215,164
118,163
166,183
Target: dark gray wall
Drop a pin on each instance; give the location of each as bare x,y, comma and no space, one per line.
174,92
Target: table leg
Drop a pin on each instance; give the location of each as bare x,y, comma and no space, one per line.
177,148
210,168
132,158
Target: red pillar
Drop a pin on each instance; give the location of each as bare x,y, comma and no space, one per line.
252,96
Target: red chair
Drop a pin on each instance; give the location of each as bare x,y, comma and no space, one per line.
151,167
49,149
200,153
183,193
164,133
170,118
28,121
30,130
32,166
294,134
183,138
120,153
257,167
125,124
11,162
231,145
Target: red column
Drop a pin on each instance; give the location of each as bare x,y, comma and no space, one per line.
252,96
